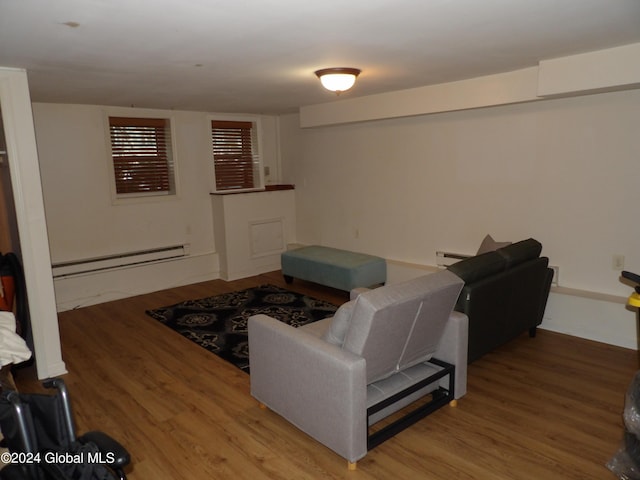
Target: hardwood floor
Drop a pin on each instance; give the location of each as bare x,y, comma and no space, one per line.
543,408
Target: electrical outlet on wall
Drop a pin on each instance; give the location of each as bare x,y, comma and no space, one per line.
556,274
618,261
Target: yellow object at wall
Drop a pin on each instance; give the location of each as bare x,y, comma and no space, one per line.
634,299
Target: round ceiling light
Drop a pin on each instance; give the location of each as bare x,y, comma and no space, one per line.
338,79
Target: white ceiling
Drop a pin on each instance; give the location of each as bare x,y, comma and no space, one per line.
259,56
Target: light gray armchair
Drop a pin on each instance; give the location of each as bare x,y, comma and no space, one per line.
382,351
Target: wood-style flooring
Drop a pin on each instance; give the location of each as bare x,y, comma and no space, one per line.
543,408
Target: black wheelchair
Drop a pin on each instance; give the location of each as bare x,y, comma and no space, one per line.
40,435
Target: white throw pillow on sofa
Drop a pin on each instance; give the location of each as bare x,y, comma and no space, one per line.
337,331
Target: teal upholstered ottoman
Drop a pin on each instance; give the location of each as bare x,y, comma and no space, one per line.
332,267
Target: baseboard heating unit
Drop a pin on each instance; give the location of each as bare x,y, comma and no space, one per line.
445,259
116,261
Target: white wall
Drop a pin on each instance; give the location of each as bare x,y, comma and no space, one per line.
394,182
563,171
83,221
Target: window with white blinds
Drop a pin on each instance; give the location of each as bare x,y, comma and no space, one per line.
142,156
235,156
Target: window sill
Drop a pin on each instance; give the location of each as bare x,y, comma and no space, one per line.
267,188
270,188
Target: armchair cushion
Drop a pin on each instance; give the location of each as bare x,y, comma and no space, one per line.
521,251
476,268
400,325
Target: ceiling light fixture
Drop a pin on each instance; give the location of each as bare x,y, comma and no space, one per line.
338,79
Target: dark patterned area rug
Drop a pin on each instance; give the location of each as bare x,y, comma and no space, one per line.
219,323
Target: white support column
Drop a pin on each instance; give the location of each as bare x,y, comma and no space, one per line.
15,106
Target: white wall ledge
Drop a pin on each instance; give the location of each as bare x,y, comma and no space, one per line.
593,72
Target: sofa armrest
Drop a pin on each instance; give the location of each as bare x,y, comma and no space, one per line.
453,349
315,385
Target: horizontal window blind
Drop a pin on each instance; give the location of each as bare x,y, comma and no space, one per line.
233,154
141,150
